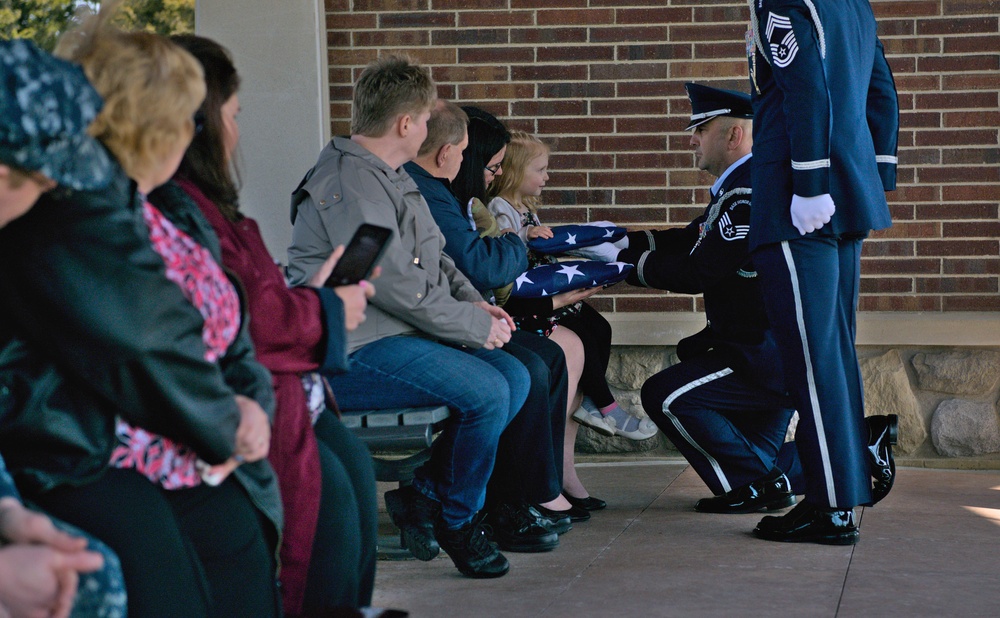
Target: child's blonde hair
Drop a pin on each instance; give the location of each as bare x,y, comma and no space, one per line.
521,151
150,85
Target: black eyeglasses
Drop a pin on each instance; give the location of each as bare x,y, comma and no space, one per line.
199,121
493,169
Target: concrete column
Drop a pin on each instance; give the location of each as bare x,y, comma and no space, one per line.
279,48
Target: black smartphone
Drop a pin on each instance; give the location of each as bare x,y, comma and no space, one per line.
360,256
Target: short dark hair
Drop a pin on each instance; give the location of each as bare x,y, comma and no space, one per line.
487,137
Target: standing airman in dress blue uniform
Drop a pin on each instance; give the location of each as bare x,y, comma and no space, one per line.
825,129
724,405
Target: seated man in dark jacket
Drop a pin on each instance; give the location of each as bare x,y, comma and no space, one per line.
529,458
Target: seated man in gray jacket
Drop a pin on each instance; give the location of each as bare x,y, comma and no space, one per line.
429,338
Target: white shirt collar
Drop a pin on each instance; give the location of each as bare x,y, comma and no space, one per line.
718,183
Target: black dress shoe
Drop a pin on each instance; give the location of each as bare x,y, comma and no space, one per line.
514,528
554,522
772,492
575,513
414,514
590,503
471,551
810,524
883,432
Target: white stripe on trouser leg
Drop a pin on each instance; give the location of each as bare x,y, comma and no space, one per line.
824,448
684,434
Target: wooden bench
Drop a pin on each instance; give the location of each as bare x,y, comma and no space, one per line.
397,433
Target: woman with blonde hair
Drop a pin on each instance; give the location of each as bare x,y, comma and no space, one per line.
152,433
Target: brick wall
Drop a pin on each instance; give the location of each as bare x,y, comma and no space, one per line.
602,82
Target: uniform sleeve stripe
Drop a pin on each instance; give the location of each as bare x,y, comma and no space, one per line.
810,165
652,241
819,28
886,159
638,268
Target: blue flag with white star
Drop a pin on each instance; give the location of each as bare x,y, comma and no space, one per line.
549,279
568,237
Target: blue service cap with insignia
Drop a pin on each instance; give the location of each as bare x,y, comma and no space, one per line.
708,102
46,105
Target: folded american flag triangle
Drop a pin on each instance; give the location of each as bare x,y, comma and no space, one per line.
550,279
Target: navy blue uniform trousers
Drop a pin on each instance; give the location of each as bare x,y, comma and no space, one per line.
810,287
730,429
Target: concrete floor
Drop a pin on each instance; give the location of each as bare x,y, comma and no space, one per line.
931,548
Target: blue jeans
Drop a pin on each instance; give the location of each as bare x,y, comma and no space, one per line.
484,389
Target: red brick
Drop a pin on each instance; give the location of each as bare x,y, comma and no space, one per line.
914,120
886,285
586,126
682,215
469,73
964,173
550,108
661,15
653,34
971,266
489,92
701,70
584,90
391,6
391,38
500,55
655,160
901,212
644,88
458,5
654,51
621,71
953,210
899,8
913,266
564,179
394,19
541,36
970,81
910,46
576,53
956,137
958,64
540,4
951,25
970,229
971,303
580,161
928,248
971,119
627,143
887,249
480,19
970,7
915,193
627,178
957,285
629,106
639,197
481,36
626,215
899,303
567,143
971,44
347,22
577,17
584,197
971,156
565,215
337,5
949,100
719,49
549,72
895,27
919,157
730,14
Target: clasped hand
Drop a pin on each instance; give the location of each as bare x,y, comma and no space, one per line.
811,213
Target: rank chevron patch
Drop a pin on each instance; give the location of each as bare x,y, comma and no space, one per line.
729,231
781,39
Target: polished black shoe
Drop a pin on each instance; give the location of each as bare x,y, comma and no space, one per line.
514,528
810,524
471,551
575,513
554,522
772,492
414,514
883,432
590,503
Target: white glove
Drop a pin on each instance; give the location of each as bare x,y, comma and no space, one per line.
604,252
811,213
